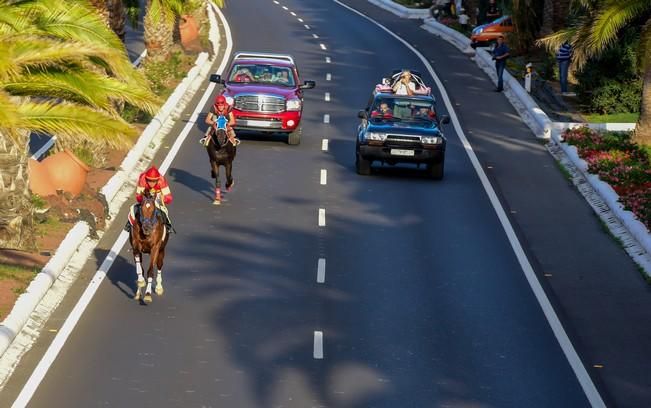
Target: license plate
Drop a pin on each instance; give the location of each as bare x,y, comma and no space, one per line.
401,152
258,123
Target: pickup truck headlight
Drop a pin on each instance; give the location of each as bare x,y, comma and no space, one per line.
293,104
431,140
380,137
229,100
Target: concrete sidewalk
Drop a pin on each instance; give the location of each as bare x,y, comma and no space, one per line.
596,288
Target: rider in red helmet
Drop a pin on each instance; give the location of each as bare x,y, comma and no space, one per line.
155,183
222,108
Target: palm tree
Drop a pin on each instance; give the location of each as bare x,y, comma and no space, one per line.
597,28
160,17
62,72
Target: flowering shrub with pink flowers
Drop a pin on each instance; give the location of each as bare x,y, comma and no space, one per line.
619,162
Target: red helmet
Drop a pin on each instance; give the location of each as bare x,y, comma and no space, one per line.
152,174
220,99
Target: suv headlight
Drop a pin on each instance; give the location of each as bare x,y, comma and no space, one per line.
380,137
431,140
229,100
293,104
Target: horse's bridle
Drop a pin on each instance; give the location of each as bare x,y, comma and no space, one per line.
148,223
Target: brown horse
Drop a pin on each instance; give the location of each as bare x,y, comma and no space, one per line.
221,152
149,236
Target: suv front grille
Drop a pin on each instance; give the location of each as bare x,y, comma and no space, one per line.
403,139
260,103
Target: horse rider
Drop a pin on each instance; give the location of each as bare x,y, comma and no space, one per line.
221,109
155,182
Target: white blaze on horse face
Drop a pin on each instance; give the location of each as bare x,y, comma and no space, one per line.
148,205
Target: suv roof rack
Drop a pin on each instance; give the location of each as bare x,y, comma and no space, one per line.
281,57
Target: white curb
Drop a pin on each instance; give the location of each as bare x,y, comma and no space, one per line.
400,10
117,191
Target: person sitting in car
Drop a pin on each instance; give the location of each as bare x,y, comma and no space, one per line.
243,75
383,111
282,77
424,112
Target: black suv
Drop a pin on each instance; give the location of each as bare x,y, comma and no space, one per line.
401,129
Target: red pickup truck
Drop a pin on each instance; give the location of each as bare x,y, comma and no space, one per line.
265,93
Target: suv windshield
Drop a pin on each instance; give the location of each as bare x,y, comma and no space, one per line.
262,74
403,110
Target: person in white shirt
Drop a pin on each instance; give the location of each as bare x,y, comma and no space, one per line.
463,19
405,86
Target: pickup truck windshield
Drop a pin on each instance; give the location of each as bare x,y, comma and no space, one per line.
403,110
262,74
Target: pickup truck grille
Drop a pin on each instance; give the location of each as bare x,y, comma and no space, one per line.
259,103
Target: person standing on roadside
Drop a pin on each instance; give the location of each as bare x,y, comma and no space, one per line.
500,54
563,56
493,12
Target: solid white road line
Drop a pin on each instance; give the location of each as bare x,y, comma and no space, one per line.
326,118
323,47
582,375
318,345
328,60
71,321
328,77
320,270
327,96
324,177
324,145
322,220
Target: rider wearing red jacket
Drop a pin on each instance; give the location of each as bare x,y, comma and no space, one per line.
155,182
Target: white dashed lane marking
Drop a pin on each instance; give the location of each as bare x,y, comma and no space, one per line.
320,270
300,20
323,47
293,14
324,145
328,77
307,27
318,345
327,96
285,8
328,60
322,218
315,36
324,177
326,118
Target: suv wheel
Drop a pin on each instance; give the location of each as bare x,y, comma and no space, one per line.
294,138
435,170
362,165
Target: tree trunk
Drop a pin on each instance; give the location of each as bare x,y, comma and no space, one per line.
472,10
559,16
16,212
643,128
547,27
103,10
159,35
118,18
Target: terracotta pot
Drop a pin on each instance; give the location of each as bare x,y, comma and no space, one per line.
189,32
66,171
39,179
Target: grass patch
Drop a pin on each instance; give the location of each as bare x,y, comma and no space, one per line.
613,118
37,201
19,274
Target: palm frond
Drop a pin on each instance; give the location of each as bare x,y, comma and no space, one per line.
611,18
75,123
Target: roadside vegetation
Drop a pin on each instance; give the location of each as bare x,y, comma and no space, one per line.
611,40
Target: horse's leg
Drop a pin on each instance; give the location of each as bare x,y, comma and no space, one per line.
218,185
159,275
229,175
137,256
153,257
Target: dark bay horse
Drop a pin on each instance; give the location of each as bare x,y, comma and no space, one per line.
149,236
221,153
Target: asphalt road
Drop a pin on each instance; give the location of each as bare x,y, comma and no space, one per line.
424,303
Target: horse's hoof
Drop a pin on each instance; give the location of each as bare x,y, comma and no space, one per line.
216,202
141,283
159,291
136,296
148,298
230,188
